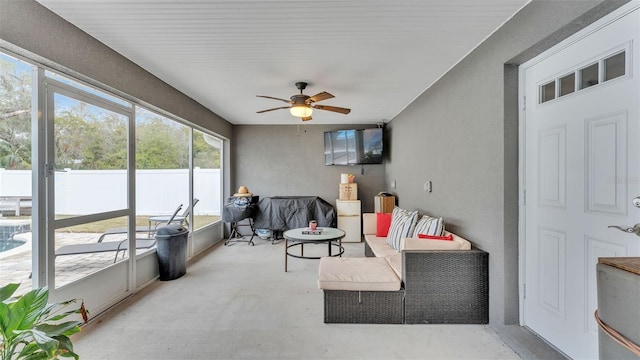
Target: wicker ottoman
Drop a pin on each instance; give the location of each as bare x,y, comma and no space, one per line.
360,290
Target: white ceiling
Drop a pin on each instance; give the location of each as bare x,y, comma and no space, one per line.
376,57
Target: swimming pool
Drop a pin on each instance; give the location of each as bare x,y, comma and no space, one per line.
10,244
8,229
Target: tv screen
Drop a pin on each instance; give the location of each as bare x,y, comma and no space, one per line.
353,147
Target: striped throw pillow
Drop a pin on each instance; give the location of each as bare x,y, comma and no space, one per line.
428,225
402,223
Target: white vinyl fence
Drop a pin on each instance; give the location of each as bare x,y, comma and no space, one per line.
89,191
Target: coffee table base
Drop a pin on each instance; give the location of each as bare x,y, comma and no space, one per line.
331,243
330,236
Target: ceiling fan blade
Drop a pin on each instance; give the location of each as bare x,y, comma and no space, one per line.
319,97
306,118
332,108
274,98
278,108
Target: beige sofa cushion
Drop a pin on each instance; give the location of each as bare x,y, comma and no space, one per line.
356,274
395,261
381,249
457,243
379,246
369,221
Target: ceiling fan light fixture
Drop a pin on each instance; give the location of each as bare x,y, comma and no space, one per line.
301,111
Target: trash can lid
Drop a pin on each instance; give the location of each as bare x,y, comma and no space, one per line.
171,230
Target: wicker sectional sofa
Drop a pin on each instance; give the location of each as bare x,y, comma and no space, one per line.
436,282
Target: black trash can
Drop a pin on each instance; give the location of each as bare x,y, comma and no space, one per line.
172,251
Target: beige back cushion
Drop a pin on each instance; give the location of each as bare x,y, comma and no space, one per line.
369,221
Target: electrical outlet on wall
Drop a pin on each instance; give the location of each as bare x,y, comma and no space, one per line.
428,186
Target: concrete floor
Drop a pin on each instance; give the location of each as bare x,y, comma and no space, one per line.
236,302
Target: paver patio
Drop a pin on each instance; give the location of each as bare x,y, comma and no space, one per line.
16,266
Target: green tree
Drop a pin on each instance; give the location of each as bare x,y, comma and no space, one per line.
89,138
108,150
205,155
70,139
15,116
160,145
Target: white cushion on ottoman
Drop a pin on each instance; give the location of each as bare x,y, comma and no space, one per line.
357,274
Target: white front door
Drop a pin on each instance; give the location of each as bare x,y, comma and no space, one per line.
580,173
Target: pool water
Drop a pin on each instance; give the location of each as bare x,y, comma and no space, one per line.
8,228
6,245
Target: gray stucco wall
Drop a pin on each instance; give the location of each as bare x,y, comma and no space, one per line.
462,134
30,29
287,160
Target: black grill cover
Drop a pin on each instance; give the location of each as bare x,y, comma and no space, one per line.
239,208
282,213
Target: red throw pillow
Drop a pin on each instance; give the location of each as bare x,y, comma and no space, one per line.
434,237
383,223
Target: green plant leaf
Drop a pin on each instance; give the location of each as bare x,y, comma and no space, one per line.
7,291
65,348
40,355
25,325
66,328
44,342
31,351
63,315
28,309
5,320
45,312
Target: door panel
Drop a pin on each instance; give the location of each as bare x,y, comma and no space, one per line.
552,275
606,151
581,158
552,169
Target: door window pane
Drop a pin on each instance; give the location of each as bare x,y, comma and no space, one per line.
589,76
614,66
548,92
568,84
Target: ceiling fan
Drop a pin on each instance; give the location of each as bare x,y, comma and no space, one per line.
302,105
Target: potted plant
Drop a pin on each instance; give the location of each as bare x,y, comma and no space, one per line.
30,327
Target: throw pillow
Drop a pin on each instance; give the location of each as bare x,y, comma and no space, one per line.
428,225
383,222
433,237
402,224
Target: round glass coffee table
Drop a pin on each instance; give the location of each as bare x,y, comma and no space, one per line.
297,237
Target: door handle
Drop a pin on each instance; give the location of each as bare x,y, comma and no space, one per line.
631,230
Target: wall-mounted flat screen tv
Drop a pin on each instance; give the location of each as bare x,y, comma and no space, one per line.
353,147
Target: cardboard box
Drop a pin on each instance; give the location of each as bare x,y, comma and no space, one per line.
348,191
384,204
